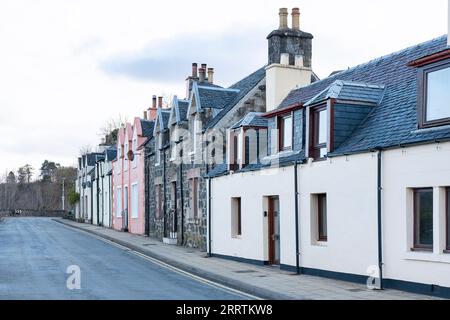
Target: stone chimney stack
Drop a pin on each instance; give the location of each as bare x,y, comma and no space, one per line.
283,18
194,70
145,115
160,102
154,101
211,75
202,72
290,59
295,19
191,79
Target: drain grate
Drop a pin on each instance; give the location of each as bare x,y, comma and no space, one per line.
245,271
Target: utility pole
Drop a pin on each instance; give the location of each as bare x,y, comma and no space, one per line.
63,197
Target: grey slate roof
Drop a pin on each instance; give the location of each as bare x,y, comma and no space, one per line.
251,119
215,98
244,86
93,157
183,106
394,121
111,153
147,127
348,90
162,120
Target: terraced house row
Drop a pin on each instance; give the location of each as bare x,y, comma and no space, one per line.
344,177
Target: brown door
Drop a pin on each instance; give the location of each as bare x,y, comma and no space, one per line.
274,231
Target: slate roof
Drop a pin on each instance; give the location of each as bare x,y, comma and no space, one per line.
183,106
163,119
92,158
111,153
252,119
147,127
244,86
394,121
215,98
348,90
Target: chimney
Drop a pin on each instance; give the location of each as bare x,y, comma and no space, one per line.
145,115
296,18
290,55
202,72
204,66
154,102
211,75
160,102
283,18
194,70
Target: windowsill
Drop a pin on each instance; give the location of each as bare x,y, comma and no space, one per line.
191,153
319,243
237,237
426,250
427,256
447,251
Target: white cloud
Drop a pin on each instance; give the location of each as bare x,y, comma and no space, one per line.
55,94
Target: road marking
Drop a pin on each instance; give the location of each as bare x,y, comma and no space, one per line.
168,266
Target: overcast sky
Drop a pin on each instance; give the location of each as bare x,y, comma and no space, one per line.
66,67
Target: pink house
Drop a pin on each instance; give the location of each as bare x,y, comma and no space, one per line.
128,182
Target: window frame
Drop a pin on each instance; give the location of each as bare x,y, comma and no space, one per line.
320,232
423,94
236,207
281,128
315,146
418,246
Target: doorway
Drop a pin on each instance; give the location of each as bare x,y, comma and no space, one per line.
274,230
125,209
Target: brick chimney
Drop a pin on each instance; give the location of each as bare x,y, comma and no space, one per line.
160,102
202,73
289,59
145,115
191,79
152,111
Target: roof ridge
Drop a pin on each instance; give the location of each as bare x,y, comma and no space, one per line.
218,88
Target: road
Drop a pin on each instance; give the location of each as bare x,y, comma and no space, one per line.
36,252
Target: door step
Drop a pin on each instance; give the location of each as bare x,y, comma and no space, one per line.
172,239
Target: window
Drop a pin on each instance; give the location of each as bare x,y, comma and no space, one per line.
119,203
194,134
134,201
236,218
158,201
447,208
173,195
423,219
319,133
158,147
322,217
194,198
285,132
434,95
174,134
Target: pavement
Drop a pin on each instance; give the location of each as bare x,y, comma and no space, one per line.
261,281
35,254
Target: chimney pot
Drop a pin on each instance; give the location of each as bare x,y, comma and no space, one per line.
160,102
211,75
202,72
204,65
145,115
283,18
154,102
296,18
194,70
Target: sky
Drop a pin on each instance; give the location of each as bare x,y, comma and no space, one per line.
68,67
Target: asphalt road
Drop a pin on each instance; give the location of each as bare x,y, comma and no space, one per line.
36,252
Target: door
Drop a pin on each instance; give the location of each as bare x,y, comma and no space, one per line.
125,210
274,231
174,209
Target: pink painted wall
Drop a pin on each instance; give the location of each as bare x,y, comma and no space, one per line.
129,177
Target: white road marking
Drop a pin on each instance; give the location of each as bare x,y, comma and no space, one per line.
167,266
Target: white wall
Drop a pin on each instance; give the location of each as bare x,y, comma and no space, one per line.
420,166
253,187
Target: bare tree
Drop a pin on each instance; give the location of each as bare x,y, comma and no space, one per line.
109,131
85,149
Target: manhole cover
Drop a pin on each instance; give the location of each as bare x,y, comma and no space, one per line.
245,271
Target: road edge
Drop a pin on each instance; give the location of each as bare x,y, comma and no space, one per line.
210,276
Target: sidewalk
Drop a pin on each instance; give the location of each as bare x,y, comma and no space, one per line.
261,281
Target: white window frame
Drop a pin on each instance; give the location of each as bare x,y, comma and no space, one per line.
125,158
134,148
119,202
134,201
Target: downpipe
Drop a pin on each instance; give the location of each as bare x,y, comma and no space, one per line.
297,236
379,216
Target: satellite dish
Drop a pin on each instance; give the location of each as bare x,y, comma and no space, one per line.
130,155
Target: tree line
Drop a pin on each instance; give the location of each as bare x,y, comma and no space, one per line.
18,190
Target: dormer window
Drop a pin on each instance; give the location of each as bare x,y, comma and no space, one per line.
285,132
434,94
319,132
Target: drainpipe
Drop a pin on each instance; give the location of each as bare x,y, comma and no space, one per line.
92,203
182,202
164,193
103,195
380,231
209,218
297,236
97,195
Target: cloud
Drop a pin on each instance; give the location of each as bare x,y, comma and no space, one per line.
169,60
